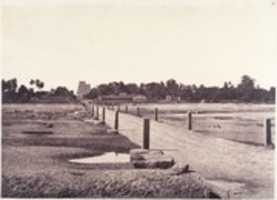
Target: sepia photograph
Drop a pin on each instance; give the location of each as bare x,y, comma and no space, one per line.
138,99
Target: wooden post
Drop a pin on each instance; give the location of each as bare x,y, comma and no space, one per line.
116,120
97,112
88,106
112,106
267,130
146,134
156,114
92,110
118,107
126,108
138,111
190,120
104,114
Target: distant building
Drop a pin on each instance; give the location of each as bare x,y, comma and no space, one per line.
168,98
115,98
121,98
83,89
139,98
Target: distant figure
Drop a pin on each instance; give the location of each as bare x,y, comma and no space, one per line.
83,89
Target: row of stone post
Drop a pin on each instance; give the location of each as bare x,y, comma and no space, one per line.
146,123
95,112
146,130
267,132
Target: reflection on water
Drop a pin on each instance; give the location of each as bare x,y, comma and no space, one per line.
109,157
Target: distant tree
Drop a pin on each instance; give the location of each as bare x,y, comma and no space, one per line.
4,86
122,87
247,83
105,89
32,82
142,89
132,88
93,94
209,94
246,91
272,94
155,90
24,94
115,88
227,92
12,85
31,92
9,88
61,91
186,92
39,84
260,95
246,88
172,87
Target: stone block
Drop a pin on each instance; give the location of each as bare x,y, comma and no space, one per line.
150,159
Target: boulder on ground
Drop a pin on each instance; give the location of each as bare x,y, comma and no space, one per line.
163,162
112,131
150,159
144,154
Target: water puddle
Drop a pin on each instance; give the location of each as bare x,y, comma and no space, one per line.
109,157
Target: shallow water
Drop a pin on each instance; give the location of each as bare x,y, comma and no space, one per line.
109,157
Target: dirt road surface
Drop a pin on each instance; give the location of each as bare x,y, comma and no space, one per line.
247,171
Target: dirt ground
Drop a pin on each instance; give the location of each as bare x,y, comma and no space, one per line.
246,170
39,140
236,122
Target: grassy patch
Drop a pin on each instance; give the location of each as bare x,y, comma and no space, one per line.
139,184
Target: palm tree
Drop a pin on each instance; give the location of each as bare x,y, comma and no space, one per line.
39,84
32,82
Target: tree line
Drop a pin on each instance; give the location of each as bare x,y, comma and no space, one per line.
13,93
245,91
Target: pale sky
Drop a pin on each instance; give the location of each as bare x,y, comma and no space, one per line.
196,41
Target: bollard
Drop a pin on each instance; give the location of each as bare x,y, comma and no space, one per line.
97,112
118,107
138,111
92,110
190,120
112,106
126,109
88,107
116,120
146,134
156,114
104,114
267,130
